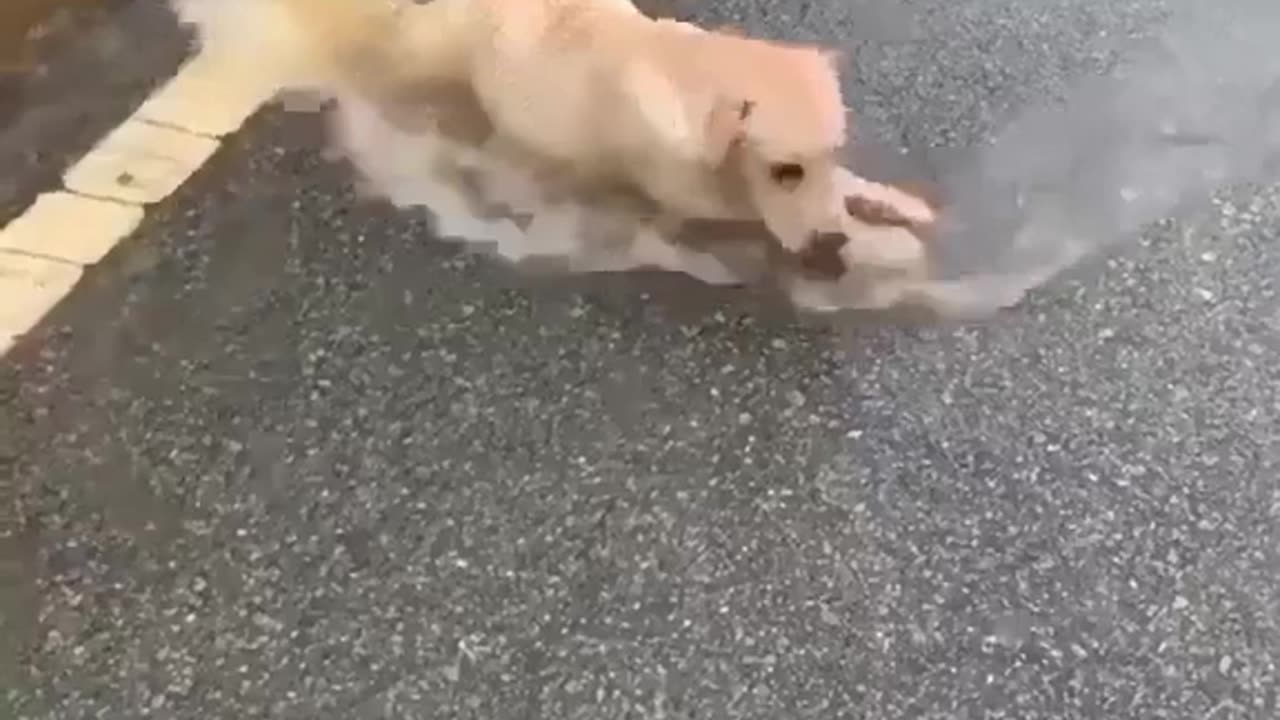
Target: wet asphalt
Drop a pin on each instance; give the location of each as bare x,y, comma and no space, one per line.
284,455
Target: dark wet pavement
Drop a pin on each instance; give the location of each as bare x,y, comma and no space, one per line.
284,455
83,69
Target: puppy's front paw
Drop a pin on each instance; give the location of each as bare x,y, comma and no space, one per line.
880,204
885,226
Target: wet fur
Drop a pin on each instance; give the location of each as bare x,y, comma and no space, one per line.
696,120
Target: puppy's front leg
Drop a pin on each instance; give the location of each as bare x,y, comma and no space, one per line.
652,247
880,223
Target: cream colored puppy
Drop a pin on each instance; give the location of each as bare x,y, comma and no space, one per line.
706,124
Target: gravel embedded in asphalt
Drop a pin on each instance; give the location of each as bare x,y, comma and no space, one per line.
285,455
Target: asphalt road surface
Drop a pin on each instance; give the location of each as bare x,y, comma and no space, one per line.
285,456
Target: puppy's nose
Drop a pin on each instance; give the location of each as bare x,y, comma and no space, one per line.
821,256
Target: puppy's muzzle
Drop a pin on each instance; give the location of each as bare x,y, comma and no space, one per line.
821,256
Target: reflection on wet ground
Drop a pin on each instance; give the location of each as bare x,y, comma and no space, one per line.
71,71
30,29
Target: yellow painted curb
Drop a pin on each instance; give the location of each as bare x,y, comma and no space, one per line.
71,228
139,163
208,97
142,161
29,288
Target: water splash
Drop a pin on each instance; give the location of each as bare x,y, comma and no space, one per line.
1189,112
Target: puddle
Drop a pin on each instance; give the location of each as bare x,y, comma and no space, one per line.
1187,114
32,30
22,23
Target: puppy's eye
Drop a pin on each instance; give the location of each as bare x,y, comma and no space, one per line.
788,175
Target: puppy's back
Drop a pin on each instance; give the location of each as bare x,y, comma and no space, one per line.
331,44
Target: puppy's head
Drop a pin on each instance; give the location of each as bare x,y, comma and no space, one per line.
780,119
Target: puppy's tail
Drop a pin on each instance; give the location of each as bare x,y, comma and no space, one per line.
335,45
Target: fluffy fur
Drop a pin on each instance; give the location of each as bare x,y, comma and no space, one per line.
707,124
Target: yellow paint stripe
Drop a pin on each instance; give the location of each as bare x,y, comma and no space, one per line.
44,251
208,97
139,163
71,228
29,288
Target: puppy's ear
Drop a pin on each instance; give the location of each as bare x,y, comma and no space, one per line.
725,125
695,124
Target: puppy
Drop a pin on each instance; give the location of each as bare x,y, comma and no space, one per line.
498,205
706,124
